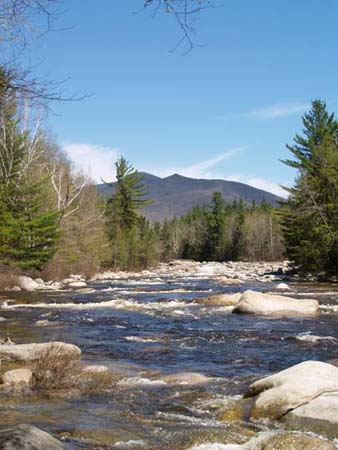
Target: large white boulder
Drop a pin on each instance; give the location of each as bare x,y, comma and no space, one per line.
286,390
252,302
31,352
28,284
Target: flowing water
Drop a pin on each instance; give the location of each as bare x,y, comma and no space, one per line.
147,328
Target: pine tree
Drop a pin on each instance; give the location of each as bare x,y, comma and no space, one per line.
310,215
127,232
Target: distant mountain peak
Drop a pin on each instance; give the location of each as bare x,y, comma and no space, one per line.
176,194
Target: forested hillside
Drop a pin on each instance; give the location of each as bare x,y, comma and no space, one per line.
176,195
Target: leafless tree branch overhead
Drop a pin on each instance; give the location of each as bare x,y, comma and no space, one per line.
184,12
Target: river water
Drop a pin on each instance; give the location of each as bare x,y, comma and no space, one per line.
150,327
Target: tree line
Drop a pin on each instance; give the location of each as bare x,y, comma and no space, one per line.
53,221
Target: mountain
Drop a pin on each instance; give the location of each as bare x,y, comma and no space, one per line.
175,195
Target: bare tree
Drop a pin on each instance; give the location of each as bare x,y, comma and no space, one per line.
20,22
184,12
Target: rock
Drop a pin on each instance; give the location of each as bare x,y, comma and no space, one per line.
253,302
220,300
31,352
188,378
2,319
28,284
93,369
291,388
319,415
280,440
27,437
283,287
17,379
77,284
47,323
15,289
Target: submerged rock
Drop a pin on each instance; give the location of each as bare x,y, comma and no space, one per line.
47,323
187,378
17,379
253,302
27,437
280,440
291,388
220,300
31,352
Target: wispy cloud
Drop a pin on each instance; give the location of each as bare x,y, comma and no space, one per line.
276,111
93,160
202,169
259,183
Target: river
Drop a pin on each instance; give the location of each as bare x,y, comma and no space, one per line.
147,327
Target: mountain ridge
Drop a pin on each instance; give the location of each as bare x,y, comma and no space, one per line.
175,194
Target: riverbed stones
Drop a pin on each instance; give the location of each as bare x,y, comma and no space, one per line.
284,391
31,352
28,437
280,440
252,302
17,379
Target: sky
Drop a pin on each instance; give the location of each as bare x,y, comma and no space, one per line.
226,109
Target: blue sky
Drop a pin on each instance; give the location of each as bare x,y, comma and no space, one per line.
224,110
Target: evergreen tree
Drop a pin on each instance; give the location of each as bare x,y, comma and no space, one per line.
131,237
310,215
29,228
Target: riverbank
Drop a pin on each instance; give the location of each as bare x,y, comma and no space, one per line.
180,362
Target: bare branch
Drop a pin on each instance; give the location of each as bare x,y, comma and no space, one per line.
184,12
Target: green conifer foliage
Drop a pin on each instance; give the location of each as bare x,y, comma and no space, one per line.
29,227
132,238
310,215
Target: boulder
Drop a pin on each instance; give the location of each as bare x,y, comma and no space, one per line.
287,390
17,379
219,300
31,352
27,437
95,369
319,415
2,319
77,284
252,302
47,323
283,287
28,284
